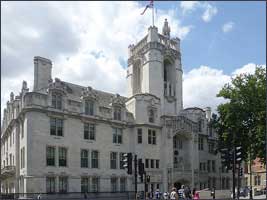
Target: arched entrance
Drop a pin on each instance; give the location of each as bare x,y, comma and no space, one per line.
177,185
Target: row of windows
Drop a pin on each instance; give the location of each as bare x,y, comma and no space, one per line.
88,184
150,163
56,128
88,106
11,139
210,166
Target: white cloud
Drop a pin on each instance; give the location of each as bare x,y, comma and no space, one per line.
188,6
209,13
201,85
227,27
209,10
86,41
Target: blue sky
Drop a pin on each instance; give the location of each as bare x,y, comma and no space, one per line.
207,45
87,42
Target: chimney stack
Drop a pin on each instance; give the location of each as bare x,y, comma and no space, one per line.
42,73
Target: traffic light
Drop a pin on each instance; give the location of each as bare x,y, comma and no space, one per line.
238,154
148,179
226,158
141,169
127,162
240,171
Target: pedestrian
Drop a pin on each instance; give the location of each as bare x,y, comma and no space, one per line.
187,193
195,194
165,195
39,196
157,194
181,193
174,195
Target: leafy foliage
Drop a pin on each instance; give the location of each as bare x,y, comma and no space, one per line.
241,120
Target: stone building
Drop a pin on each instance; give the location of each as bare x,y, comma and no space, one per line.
256,177
62,137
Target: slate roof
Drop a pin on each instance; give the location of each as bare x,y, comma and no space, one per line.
105,98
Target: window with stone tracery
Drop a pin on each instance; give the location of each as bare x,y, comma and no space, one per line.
57,100
89,107
151,116
117,113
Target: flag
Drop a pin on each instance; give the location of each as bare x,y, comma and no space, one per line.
150,5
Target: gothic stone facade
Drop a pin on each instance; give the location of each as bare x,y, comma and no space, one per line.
63,137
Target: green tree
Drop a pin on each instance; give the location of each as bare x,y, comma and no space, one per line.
241,120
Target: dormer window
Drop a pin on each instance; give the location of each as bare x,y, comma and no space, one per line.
57,100
117,113
151,116
89,107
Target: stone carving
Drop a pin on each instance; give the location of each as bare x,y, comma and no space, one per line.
89,93
11,96
118,100
166,29
59,85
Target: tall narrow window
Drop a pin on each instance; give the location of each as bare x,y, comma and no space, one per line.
56,100
149,139
62,157
94,159
208,166
117,113
22,159
84,158
200,126
63,184
139,136
89,131
89,107
56,127
213,166
50,184
95,184
154,137
122,184
200,143
50,156
157,164
147,163
114,183
151,116
84,184
117,135
152,163
113,160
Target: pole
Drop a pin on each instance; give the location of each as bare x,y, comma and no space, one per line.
266,134
250,175
153,14
135,175
238,182
145,194
234,172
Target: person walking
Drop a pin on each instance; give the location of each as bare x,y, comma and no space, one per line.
174,195
187,193
181,193
195,194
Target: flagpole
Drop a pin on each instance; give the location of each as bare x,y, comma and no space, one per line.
153,14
